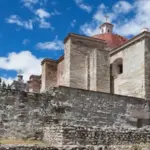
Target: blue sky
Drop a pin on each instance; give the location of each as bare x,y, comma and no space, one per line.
31,30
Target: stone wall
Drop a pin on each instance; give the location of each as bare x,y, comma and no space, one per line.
101,109
43,78
86,63
132,81
103,71
147,68
101,147
49,75
95,136
60,73
22,115
67,50
25,115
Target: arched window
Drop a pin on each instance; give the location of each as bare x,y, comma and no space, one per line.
117,67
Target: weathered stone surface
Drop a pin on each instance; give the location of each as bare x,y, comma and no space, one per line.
60,73
49,75
100,147
12,147
101,109
95,136
132,81
86,63
24,115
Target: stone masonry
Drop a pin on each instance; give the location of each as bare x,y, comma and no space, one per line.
77,135
90,63
121,147
86,63
24,115
69,118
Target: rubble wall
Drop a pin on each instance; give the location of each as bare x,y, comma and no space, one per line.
25,115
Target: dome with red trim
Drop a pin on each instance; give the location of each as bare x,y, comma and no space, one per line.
112,40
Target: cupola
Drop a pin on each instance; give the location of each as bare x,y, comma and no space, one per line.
106,28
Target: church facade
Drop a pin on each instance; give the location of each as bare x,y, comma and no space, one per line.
106,62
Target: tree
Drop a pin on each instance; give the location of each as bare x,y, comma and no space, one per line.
8,87
0,82
3,85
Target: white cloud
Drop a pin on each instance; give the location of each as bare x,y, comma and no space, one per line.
29,3
55,12
122,7
45,24
92,28
83,6
51,45
43,2
40,17
125,24
133,25
21,61
42,13
26,41
101,12
14,19
73,23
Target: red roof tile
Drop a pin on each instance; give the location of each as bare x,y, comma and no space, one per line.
112,40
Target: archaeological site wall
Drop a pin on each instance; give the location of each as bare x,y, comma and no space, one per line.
122,147
25,115
102,137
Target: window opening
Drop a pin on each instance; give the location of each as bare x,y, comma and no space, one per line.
120,69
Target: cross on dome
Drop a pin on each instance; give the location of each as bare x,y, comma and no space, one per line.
106,16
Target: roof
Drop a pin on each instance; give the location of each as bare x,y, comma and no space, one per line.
106,23
52,61
112,40
35,76
79,36
60,58
48,60
131,41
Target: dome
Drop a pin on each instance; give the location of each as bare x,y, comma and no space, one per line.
112,40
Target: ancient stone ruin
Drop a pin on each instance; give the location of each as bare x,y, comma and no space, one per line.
74,119
95,97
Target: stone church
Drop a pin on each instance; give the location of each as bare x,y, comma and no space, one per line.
101,100
106,62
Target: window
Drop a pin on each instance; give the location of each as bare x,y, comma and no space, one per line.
139,123
120,69
117,67
108,30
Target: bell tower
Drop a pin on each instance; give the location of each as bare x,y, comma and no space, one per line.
106,27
